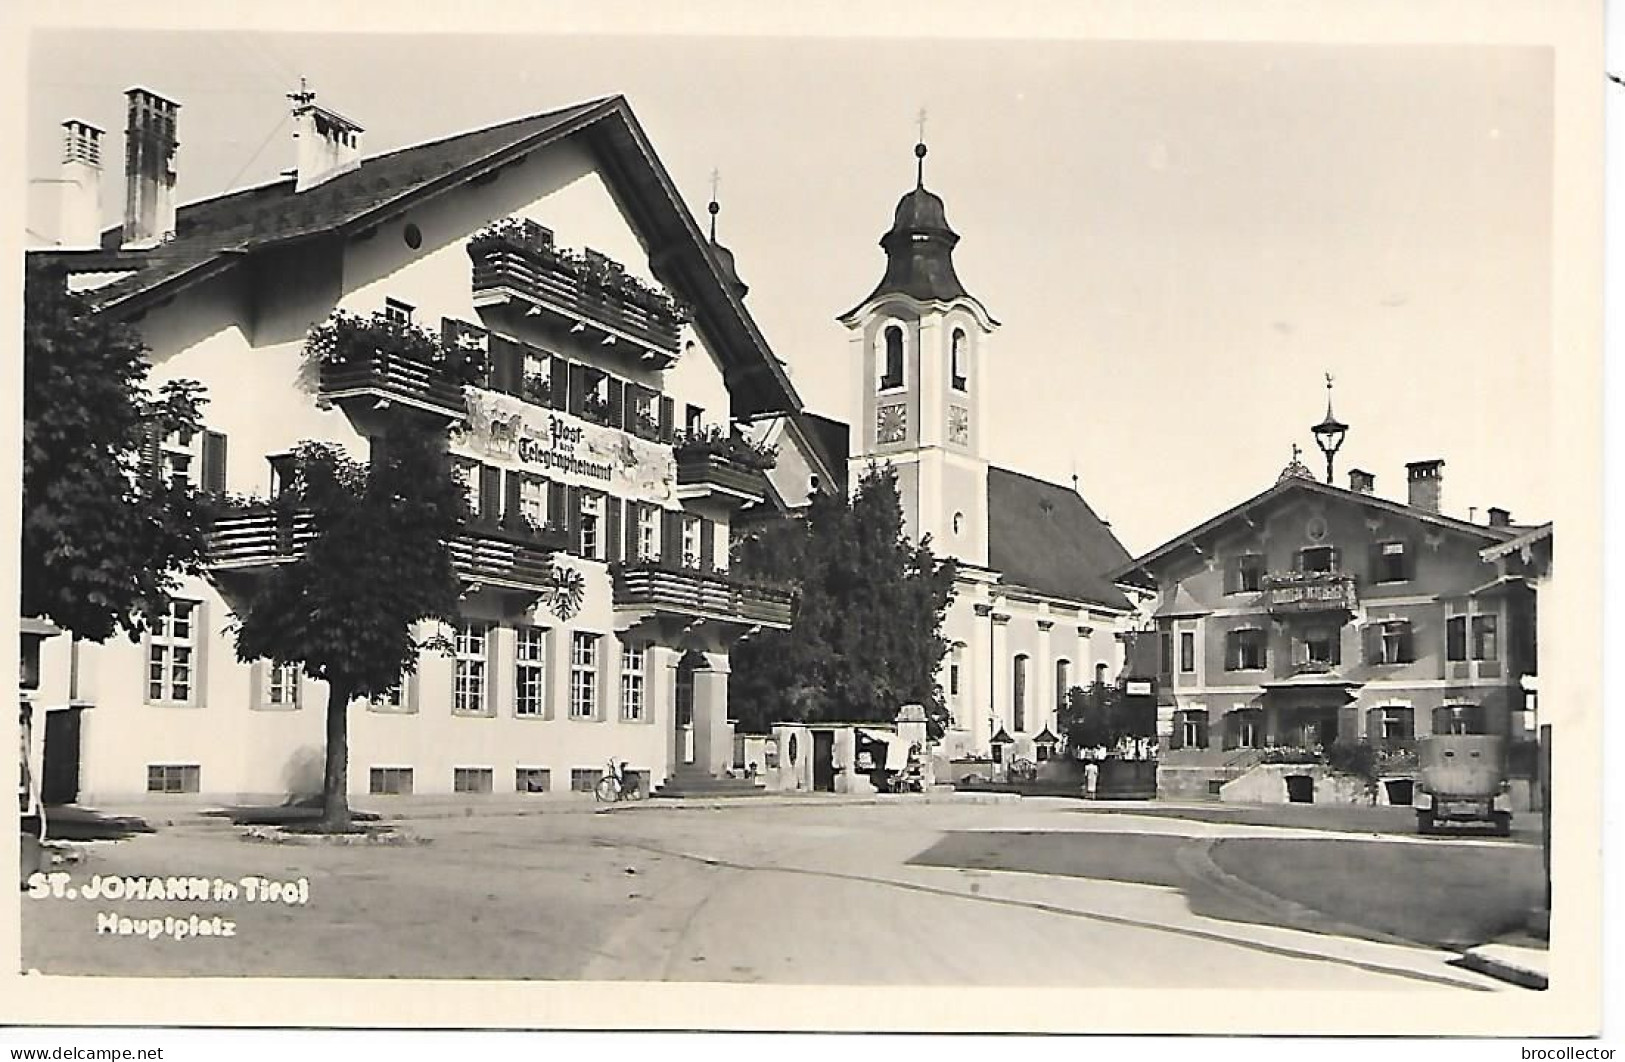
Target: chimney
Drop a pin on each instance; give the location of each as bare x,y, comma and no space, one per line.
1362,482
1500,517
326,144
80,227
149,170
1426,481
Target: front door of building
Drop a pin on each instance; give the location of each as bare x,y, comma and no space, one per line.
683,708
824,761
59,782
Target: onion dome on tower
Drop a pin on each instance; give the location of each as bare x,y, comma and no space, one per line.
919,246
724,257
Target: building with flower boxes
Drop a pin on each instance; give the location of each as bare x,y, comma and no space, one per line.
1313,633
540,287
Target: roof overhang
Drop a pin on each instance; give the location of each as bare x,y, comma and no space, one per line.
921,307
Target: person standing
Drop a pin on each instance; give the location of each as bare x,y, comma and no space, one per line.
1091,778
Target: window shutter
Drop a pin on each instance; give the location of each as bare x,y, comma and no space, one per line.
507,362
558,380
1373,725
634,513
1374,554
151,449
1176,740
1410,561
667,412
1201,731
572,516
490,491
200,653
214,462
510,503
617,403
1232,575
578,388
1337,559
558,504
612,529
1373,643
671,536
708,545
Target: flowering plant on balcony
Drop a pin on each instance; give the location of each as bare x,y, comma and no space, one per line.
734,449
1306,578
644,425
521,234
1289,754
596,408
537,387
347,338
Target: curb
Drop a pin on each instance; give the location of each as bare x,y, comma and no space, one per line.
1503,967
725,803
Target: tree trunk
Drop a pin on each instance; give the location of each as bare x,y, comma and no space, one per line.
335,779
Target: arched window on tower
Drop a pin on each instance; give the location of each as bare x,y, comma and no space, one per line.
1018,675
959,355
893,374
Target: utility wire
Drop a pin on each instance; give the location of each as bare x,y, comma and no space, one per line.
258,151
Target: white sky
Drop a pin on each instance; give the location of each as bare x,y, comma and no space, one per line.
1178,238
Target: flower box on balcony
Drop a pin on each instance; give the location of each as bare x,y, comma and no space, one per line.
733,449
516,258
381,357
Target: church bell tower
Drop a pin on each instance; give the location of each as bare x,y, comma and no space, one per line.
920,344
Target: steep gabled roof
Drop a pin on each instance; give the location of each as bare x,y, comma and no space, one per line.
1045,537
1133,572
215,234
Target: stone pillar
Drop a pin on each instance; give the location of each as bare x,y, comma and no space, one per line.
1044,687
1000,672
712,740
978,678
662,695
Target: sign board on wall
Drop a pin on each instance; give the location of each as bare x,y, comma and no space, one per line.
1137,688
515,434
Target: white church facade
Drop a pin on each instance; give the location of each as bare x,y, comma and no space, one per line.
1033,612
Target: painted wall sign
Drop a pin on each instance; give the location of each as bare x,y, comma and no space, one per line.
507,431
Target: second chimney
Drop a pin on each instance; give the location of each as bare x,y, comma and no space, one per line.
149,169
1426,482
80,227
1362,482
1500,517
326,144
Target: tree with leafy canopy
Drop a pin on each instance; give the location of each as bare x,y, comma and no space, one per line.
1100,716
867,634
104,536
376,567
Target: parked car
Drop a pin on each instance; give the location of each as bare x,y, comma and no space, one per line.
1462,781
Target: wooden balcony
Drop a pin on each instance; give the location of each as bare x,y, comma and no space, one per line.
389,377
588,295
258,539
1296,593
693,594
701,475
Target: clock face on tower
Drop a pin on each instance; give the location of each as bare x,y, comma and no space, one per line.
891,423
959,425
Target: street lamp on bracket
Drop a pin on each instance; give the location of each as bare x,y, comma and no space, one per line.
1329,432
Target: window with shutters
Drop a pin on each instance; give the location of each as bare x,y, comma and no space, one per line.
1317,559
1193,729
279,685
891,375
173,654
177,464
471,674
633,656
642,421
1392,643
1486,637
468,475
1244,650
648,533
691,542
1392,563
1395,724
693,420
1320,646
592,518
398,311
595,395
1455,638
530,672
535,382
1247,574
533,500
583,676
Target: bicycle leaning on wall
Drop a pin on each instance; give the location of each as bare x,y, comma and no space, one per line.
617,784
